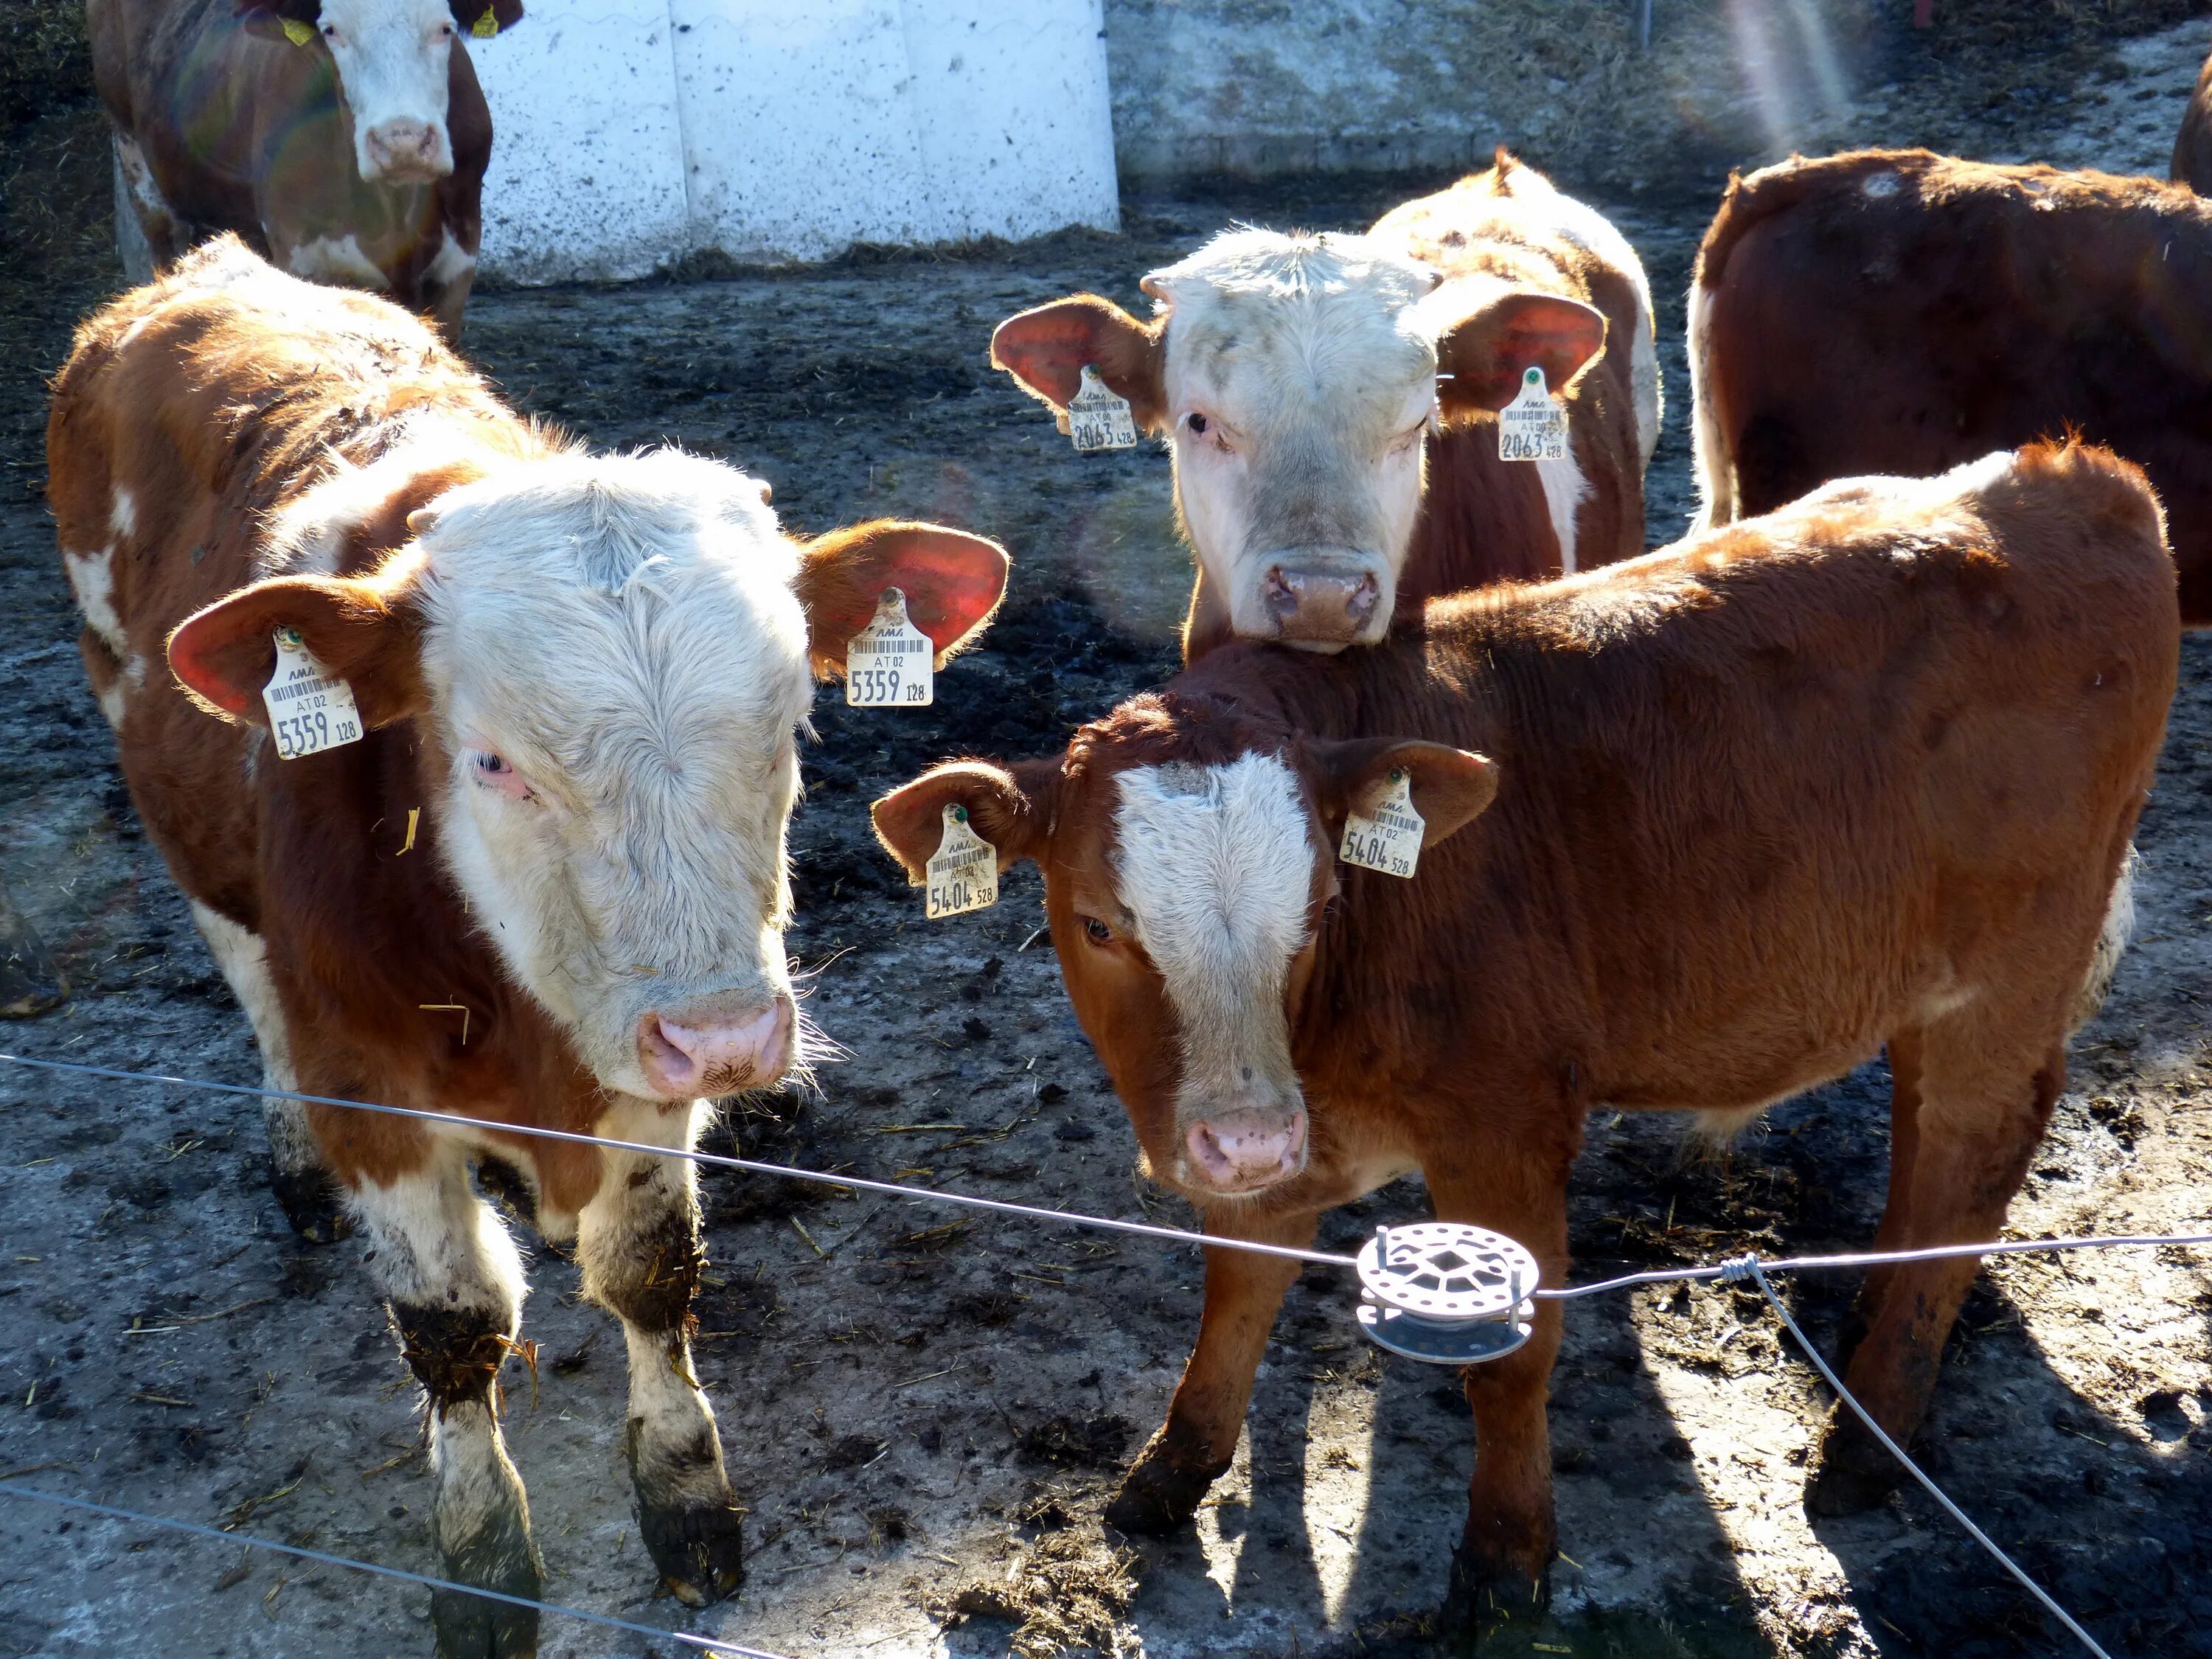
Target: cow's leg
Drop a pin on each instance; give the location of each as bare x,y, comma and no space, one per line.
1905,1060
638,1243
147,235
1197,1442
1501,1569
296,1176
454,1283
1985,1097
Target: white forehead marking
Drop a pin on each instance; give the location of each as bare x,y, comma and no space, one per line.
1214,868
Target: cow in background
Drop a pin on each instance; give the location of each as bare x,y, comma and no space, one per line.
2192,147
1703,831
1900,312
1331,404
346,140
539,880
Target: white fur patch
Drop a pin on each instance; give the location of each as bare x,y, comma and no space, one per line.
244,959
335,259
451,264
1565,491
92,579
123,517
1213,867
2113,940
112,705
436,1244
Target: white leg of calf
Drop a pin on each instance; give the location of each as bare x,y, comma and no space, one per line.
638,1244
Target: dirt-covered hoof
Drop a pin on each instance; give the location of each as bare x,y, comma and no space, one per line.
1159,1493
310,1201
701,1553
1482,1599
469,1626
1854,1472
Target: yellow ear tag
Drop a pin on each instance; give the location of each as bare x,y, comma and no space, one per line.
297,32
486,25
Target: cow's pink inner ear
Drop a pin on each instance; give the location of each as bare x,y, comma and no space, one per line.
952,582
1481,358
1008,808
1450,787
363,631
1046,349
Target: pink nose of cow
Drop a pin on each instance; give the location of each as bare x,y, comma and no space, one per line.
1320,605
406,150
716,1046
1244,1151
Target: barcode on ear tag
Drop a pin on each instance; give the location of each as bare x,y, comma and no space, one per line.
964,872
297,32
1533,426
1390,840
888,664
1098,416
308,710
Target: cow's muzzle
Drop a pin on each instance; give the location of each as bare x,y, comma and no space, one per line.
405,151
715,1046
1324,598
1245,1150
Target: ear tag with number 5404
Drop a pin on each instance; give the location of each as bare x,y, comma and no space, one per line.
964,872
888,663
1390,840
1533,426
308,710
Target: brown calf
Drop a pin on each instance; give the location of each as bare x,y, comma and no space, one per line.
2192,145
1897,312
1860,774
351,149
1331,404
543,885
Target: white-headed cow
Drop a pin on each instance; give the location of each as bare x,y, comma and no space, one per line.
345,139
1332,404
528,867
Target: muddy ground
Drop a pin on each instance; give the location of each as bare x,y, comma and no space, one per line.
925,1412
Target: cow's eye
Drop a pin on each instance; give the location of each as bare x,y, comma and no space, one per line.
1097,931
1196,422
495,772
330,31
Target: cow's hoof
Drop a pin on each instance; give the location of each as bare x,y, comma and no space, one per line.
1856,1473
701,1553
1482,1599
502,1558
310,1201
1158,1494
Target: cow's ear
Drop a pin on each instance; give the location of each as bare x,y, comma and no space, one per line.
1481,357
1012,808
366,631
952,582
1047,348
281,20
481,19
1450,787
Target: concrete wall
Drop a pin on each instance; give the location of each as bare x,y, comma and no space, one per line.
632,132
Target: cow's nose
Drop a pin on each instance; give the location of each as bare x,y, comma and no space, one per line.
715,1047
1242,1151
1320,605
403,149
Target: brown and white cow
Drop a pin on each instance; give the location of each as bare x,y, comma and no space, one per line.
545,887
1703,829
1899,312
346,140
1330,402
2192,145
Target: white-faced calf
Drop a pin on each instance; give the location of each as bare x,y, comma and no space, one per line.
1332,402
1703,831
529,868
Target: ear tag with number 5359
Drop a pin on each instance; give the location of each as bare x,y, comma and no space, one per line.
308,710
1533,426
888,663
964,872
1390,841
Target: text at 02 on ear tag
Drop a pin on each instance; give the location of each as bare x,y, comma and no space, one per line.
964,871
1390,840
308,710
1533,426
888,664
1098,416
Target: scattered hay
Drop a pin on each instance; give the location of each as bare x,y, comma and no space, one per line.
1067,1592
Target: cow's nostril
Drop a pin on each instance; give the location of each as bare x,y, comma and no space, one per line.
1361,605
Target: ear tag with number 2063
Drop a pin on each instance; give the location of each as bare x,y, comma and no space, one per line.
1533,426
1099,417
888,663
308,710
964,872
1390,841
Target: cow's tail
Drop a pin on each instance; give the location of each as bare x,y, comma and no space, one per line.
2111,943
1718,501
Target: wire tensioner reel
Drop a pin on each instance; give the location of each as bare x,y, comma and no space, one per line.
1446,1293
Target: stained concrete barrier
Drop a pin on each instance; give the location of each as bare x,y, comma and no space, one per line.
631,133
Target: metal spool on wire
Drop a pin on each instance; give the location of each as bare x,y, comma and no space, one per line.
1445,1292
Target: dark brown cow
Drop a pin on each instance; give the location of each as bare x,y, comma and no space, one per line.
1897,312
544,883
1331,403
1860,775
2192,146
346,140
